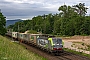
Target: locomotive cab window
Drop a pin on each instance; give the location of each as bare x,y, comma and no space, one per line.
57,44
57,41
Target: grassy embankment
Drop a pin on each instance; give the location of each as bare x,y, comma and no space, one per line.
13,51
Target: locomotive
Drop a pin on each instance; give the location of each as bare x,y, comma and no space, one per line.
45,42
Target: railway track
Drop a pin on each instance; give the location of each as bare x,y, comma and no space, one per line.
76,56
70,56
63,56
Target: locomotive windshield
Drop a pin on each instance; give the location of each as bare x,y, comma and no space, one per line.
57,41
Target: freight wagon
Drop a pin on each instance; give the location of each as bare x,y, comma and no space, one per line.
14,35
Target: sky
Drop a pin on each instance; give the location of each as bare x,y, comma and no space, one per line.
26,9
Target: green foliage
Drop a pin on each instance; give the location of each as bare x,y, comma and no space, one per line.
2,24
81,9
32,31
83,44
70,21
88,47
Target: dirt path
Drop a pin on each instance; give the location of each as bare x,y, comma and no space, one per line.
76,42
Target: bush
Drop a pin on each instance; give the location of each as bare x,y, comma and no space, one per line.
32,31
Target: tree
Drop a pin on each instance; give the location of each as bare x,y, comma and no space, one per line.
81,9
56,25
2,24
66,11
85,27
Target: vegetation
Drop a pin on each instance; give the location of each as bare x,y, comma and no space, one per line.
71,20
83,46
88,47
75,52
13,51
32,31
2,24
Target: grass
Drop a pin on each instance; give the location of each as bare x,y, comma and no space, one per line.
13,51
75,52
88,47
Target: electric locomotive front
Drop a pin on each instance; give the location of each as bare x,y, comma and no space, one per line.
57,45
53,45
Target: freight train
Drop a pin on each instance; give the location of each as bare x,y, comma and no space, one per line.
45,42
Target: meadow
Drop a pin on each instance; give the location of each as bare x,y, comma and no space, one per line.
13,51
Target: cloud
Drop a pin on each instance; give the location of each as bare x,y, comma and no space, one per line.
23,9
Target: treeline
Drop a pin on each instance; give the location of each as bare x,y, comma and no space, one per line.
71,20
2,24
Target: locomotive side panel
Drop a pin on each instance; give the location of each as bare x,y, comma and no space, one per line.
42,42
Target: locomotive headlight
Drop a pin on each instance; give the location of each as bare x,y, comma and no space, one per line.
60,44
57,44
